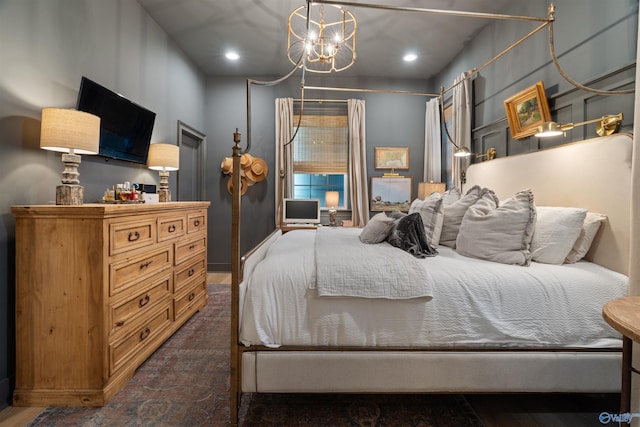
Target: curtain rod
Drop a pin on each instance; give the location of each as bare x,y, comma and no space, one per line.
434,11
345,89
320,101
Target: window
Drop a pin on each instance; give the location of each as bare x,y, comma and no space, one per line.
320,157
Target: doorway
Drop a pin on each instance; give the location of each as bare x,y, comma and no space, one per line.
191,175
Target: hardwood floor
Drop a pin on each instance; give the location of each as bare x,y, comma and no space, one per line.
495,410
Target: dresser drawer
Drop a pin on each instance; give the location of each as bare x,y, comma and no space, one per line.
194,295
125,274
126,236
122,314
171,227
145,332
191,271
188,249
196,221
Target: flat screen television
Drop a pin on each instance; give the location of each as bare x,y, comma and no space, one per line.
301,211
125,127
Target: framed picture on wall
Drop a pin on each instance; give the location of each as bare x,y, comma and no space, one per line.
391,158
390,193
526,110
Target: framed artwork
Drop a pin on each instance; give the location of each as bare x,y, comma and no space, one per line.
526,110
390,193
391,158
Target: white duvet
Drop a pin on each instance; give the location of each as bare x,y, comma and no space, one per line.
475,304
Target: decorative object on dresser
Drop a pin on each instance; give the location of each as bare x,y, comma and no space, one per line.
98,289
73,133
390,193
164,158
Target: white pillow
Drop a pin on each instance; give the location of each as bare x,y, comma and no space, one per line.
430,210
454,211
557,229
589,230
377,229
501,234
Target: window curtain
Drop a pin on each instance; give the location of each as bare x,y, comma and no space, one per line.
461,118
358,163
284,153
432,142
634,253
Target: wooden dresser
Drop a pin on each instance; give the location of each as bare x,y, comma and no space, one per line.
98,289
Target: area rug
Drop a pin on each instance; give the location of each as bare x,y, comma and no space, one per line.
186,383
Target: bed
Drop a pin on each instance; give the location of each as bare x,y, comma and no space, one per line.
535,327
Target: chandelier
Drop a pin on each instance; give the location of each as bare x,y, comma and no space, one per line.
326,35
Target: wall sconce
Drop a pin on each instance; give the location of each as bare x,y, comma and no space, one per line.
606,125
73,133
464,152
332,200
427,188
164,158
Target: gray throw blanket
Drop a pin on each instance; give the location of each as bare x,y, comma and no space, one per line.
408,234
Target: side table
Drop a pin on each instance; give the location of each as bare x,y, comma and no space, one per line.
623,315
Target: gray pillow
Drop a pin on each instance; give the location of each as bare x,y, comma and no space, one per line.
377,229
430,210
454,211
501,234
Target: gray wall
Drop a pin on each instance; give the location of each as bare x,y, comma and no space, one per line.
45,49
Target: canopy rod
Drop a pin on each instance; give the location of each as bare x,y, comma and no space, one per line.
346,89
320,101
434,11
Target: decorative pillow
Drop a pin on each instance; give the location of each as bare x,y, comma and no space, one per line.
501,234
430,210
454,211
557,229
407,234
589,230
377,229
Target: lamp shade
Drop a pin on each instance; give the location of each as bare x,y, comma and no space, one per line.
332,199
164,157
65,130
426,188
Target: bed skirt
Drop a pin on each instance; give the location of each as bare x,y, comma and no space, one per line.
501,371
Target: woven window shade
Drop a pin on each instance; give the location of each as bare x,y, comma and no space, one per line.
321,145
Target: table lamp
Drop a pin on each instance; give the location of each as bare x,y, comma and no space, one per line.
164,158
332,199
72,133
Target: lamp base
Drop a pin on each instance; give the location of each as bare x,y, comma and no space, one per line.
332,217
69,194
164,195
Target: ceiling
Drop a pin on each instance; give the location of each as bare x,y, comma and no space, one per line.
257,30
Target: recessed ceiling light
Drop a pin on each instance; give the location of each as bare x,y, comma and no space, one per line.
410,57
232,56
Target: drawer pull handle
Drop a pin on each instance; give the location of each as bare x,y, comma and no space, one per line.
133,236
196,223
145,265
192,296
144,334
119,323
172,228
192,246
192,272
144,301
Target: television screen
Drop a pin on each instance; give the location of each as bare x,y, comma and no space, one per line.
125,127
301,211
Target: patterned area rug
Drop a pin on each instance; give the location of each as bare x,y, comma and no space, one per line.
186,383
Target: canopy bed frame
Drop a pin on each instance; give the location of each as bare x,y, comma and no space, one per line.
593,174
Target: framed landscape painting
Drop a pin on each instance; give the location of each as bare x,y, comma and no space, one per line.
390,193
526,110
391,158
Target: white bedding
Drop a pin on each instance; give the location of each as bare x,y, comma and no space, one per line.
476,304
